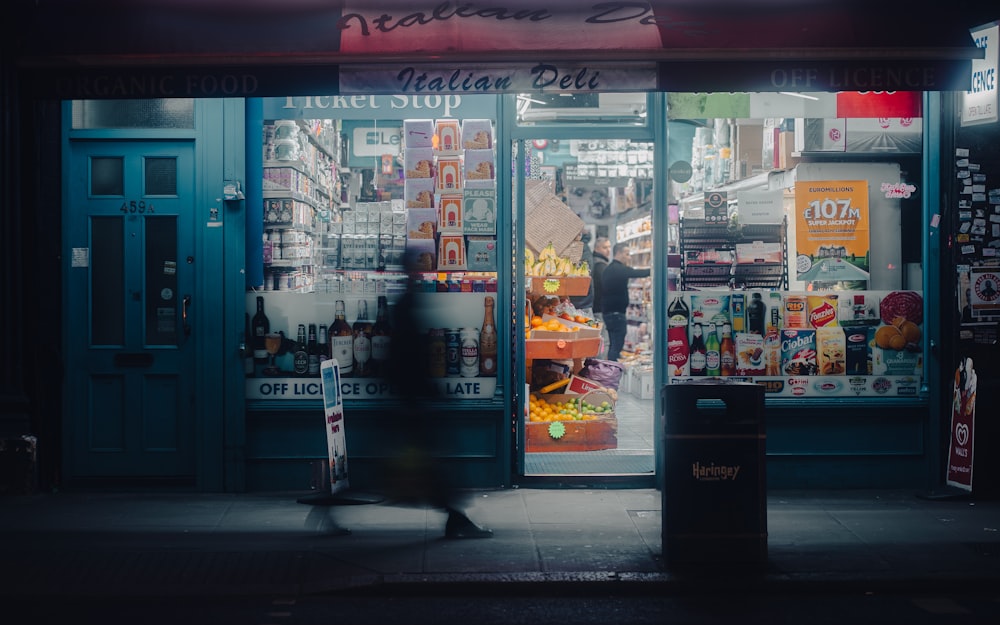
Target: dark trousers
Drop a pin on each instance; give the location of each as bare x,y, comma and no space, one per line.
616,324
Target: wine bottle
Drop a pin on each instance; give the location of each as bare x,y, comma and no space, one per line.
698,355
362,345
322,347
261,327
381,338
342,340
488,341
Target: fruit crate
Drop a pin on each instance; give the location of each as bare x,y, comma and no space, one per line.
562,348
556,285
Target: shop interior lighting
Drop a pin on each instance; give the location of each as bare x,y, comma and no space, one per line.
804,96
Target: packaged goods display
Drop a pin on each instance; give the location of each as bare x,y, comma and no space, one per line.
335,253
864,343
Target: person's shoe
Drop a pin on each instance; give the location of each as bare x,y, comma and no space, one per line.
460,526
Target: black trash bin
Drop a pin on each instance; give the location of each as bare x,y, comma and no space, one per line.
714,493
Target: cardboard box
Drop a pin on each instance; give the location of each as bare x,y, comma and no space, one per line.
561,348
418,133
480,210
482,253
450,214
642,383
562,286
451,252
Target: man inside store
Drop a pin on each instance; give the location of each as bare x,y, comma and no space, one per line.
602,255
614,297
585,303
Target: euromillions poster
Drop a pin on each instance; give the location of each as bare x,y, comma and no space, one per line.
961,449
832,242
333,413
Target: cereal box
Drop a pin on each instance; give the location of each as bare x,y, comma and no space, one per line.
450,214
418,133
477,134
798,352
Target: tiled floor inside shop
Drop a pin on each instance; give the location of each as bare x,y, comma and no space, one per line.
634,454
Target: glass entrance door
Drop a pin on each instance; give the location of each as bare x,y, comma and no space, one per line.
588,405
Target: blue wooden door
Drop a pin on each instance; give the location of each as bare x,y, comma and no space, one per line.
130,249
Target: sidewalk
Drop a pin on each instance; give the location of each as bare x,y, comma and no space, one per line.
221,544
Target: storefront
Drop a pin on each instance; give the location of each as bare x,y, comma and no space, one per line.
325,129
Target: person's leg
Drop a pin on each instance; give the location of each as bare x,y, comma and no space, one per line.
617,326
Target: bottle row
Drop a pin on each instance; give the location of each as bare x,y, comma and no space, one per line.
364,349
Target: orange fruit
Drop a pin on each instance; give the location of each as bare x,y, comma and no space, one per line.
536,321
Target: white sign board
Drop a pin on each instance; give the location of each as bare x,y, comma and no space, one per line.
760,207
979,104
333,417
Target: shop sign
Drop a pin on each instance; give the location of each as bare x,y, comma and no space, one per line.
760,207
963,420
832,226
481,79
333,418
979,103
797,104
368,107
284,389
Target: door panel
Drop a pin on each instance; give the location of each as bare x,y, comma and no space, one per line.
130,235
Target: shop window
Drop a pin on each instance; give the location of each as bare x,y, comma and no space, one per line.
103,114
628,109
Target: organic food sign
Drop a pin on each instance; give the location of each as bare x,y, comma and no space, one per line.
832,230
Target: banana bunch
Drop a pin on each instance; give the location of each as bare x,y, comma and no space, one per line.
549,263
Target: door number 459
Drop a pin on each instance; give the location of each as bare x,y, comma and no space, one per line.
136,206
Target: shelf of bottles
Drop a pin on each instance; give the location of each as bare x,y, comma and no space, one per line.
336,269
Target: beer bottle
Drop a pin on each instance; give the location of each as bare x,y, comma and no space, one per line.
342,340
727,352
312,350
381,338
261,327
488,341
322,346
300,359
697,351
713,360
362,345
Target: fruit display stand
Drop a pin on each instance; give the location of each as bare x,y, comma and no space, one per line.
592,432
561,348
562,286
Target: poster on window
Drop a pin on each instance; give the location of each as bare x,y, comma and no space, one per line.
333,416
961,449
832,244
